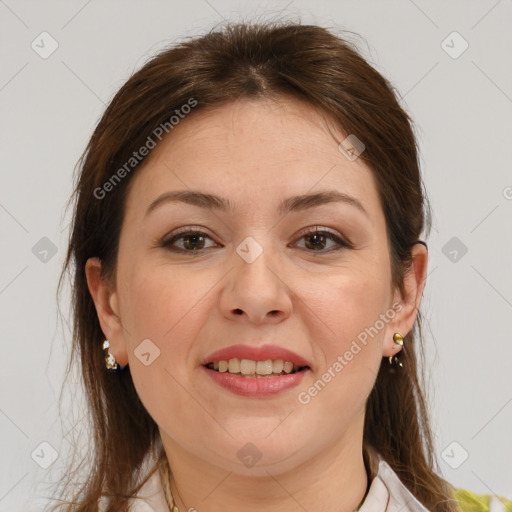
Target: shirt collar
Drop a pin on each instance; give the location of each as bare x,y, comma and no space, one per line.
387,493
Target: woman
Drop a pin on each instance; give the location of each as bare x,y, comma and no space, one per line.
248,268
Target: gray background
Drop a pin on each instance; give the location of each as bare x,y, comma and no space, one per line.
462,108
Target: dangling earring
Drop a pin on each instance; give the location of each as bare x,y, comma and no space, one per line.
393,360
110,360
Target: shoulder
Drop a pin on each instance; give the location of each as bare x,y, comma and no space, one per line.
471,502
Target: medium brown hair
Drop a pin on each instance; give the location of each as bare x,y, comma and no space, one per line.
273,59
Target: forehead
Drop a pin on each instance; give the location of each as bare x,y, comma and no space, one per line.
270,128
255,152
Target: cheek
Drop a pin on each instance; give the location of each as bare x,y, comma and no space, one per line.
167,306
349,305
159,306
159,303
353,311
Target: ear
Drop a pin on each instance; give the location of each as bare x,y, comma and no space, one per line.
107,307
407,301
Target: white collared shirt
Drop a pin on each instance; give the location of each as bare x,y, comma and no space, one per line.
388,494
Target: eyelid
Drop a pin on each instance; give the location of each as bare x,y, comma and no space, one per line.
185,230
318,229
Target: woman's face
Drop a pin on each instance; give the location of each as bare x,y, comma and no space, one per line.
255,276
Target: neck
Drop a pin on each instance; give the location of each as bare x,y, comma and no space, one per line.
335,480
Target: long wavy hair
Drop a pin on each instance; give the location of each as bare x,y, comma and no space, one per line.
244,60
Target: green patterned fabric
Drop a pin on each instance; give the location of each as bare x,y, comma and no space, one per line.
471,502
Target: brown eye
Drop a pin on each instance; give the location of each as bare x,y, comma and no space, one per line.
191,241
317,240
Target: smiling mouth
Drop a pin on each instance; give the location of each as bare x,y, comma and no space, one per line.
255,369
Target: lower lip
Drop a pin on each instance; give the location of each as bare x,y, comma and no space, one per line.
254,386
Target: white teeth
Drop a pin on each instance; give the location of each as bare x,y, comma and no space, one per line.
277,366
234,366
249,367
264,367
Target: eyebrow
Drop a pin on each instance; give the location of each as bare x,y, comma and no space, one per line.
291,204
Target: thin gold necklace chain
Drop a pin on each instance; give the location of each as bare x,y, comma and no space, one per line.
165,477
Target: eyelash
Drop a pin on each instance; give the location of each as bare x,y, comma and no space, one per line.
342,243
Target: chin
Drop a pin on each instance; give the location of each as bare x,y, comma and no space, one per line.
260,448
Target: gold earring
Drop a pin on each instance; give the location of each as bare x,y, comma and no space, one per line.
110,360
398,339
393,360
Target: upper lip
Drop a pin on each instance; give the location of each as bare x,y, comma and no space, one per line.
256,353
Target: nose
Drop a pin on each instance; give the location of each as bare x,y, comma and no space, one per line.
256,292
